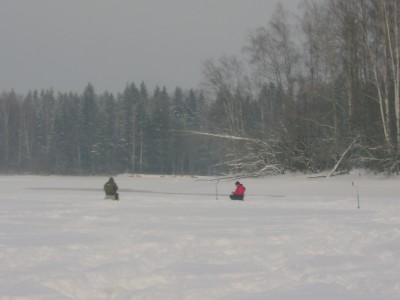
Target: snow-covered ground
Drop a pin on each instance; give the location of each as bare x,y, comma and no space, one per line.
170,238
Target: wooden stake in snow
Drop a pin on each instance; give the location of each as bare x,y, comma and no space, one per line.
216,189
358,196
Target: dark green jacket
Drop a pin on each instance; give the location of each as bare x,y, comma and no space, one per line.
110,187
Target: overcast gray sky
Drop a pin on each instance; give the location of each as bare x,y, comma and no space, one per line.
64,44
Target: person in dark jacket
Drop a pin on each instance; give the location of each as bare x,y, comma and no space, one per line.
111,188
238,194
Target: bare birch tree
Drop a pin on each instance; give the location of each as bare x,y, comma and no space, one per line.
227,81
273,55
381,41
388,13
322,68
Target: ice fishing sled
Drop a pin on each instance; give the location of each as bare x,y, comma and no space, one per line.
236,197
111,197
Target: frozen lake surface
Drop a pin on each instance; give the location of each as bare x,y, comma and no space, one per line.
171,238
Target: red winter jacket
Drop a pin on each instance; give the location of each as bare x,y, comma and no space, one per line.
239,190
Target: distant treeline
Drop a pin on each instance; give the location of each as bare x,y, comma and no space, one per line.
45,132
317,95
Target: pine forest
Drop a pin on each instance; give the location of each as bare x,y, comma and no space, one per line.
316,93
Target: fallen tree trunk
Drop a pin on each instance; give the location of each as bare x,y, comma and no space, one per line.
342,157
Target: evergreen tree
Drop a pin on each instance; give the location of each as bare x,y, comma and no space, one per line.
27,118
142,119
105,148
63,141
9,130
45,122
87,130
128,138
159,144
178,125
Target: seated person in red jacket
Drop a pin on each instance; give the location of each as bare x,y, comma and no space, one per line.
238,194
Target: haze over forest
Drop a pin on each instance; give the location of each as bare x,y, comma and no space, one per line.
315,92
